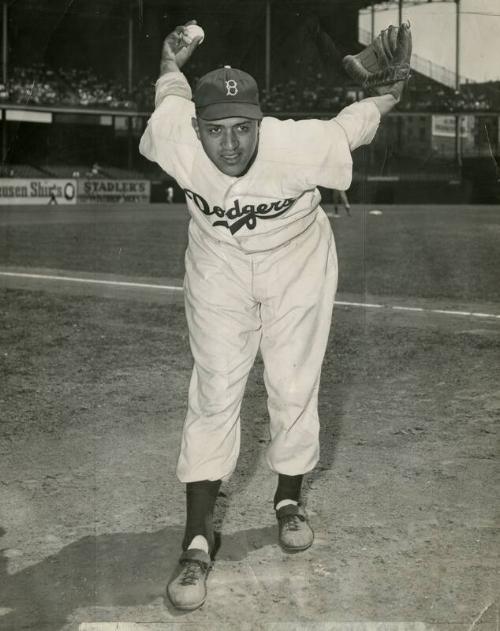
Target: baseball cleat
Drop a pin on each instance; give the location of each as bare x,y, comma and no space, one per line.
295,533
188,590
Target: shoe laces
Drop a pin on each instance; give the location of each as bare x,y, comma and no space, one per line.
192,573
293,522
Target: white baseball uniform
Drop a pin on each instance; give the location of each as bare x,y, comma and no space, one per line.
261,272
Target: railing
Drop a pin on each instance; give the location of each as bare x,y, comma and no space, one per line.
411,134
107,115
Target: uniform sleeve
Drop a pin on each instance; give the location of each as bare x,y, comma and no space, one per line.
169,138
360,122
318,152
308,153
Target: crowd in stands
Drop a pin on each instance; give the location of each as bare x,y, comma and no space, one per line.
40,85
312,95
93,171
422,95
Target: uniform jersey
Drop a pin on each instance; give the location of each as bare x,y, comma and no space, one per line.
277,198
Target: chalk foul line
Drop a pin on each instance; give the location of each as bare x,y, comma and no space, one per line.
92,281
160,287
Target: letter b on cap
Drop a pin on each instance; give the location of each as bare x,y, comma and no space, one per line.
231,87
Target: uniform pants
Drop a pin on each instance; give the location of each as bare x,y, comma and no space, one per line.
280,301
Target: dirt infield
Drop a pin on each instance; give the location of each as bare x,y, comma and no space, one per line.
93,390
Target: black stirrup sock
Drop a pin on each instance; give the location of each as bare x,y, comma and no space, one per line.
288,488
200,503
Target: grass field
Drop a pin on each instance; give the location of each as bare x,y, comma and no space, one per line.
418,252
92,397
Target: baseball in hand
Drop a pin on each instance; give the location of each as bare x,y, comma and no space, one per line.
192,33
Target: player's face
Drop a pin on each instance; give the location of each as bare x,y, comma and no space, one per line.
230,142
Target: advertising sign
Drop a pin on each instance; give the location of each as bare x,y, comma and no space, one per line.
100,190
443,125
37,191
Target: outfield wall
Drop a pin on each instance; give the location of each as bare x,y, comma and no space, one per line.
482,188
36,191
61,191
101,190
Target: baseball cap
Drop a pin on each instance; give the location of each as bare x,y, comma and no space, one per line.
227,92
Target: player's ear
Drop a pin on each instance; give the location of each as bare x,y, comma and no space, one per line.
196,127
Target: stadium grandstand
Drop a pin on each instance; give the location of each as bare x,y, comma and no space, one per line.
78,91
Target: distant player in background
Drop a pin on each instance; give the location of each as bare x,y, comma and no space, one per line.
170,194
95,170
261,273
52,198
340,198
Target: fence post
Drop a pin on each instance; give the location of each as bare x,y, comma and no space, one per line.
268,47
457,46
5,52
373,20
4,138
130,66
5,45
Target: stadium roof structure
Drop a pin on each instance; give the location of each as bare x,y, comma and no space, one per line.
219,6
64,29
229,6
122,36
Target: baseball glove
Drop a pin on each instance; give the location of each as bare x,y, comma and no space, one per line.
383,67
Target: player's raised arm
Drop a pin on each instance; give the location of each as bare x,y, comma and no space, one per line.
177,48
383,103
171,120
179,45
383,67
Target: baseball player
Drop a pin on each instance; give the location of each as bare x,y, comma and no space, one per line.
260,273
340,197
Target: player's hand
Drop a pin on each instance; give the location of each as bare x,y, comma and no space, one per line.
177,47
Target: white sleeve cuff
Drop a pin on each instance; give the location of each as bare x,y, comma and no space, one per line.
172,84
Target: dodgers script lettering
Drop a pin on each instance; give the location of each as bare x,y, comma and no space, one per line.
239,216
